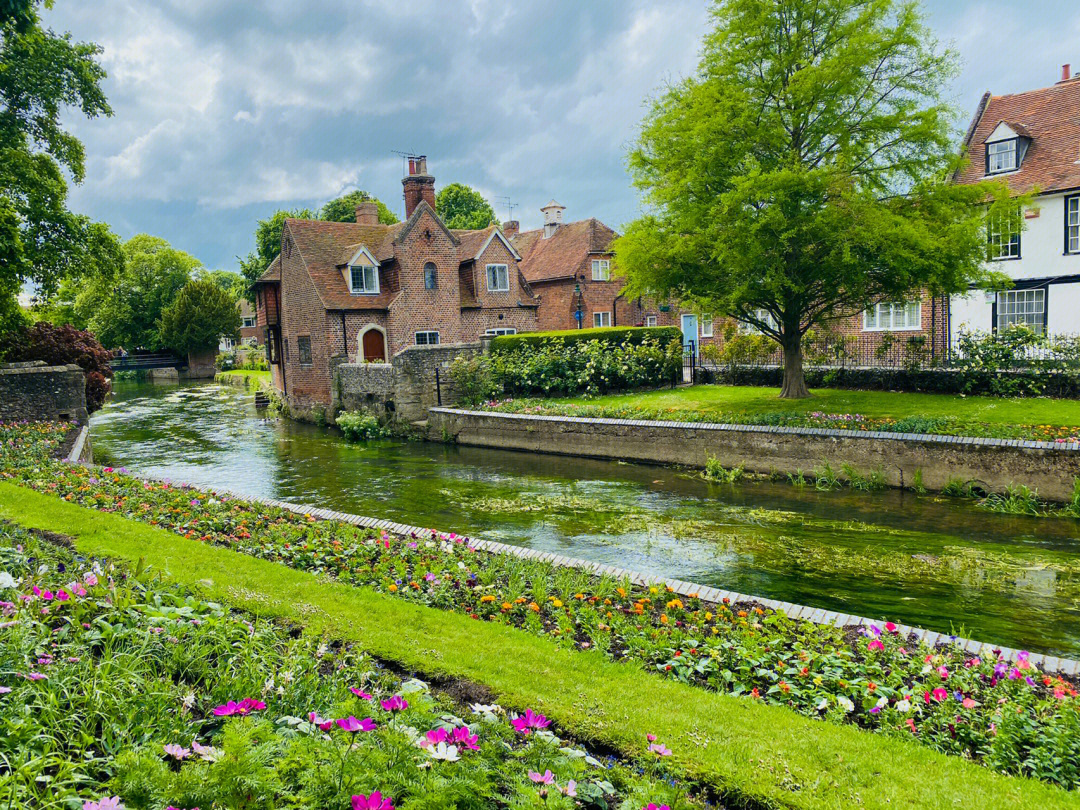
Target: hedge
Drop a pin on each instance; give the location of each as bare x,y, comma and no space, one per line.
607,334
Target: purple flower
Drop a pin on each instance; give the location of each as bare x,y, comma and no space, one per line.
177,751
105,803
546,778
374,801
321,722
351,724
529,721
360,693
660,750
395,704
245,706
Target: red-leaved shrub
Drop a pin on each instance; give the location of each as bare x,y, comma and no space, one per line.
59,345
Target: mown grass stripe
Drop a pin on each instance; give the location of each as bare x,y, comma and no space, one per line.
757,755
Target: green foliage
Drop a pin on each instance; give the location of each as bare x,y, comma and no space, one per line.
233,283
358,426
917,485
201,315
473,381
343,209
825,477
248,358
870,482
608,334
1015,361
268,242
803,172
462,207
715,471
42,75
959,488
1016,500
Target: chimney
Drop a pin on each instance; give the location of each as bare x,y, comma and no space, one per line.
552,218
367,213
1065,73
419,185
511,227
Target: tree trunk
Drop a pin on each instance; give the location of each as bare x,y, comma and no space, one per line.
794,380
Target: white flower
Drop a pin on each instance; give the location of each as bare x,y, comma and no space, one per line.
823,704
189,700
287,676
7,580
321,650
269,685
444,751
903,706
845,704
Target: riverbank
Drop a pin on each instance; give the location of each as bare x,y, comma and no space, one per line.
249,379
757,755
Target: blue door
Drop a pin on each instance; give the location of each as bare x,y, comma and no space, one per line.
689,333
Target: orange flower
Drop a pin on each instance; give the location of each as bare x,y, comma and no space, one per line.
487,598
535,608
392,588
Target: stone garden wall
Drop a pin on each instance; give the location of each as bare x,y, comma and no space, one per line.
994,463
36,392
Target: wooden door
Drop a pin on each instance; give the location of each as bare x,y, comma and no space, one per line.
374,346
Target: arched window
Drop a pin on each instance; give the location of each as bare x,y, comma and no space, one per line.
431,276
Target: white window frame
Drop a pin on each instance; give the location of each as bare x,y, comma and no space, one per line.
601,269
364,270
1003,237
1023,308
497,273
427,341
997,152
650,320
1072,224
501,330
894,316
760,314
247,323
601,320
706,322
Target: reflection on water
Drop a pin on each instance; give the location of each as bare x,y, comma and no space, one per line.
917,559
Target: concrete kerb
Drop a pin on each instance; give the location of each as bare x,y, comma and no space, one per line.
793,611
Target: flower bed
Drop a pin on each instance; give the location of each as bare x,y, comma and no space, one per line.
1012,718
118,691
933,425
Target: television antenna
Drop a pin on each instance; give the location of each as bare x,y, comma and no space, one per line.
510,206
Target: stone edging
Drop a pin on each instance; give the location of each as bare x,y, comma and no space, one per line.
806,431
1046,663
76,452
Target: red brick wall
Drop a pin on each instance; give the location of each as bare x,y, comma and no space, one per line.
302,314
474,322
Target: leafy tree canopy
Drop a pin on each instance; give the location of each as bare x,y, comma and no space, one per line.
233,283
803,173
201,315
125,309
463,207
343,209
41,75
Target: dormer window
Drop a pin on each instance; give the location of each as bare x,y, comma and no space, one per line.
363,280
1001,156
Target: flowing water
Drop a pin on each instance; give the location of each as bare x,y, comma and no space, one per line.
921,560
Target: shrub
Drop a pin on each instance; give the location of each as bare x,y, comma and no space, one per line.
607,334
59,345
473,381
359,426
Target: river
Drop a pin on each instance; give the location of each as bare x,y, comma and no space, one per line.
923,560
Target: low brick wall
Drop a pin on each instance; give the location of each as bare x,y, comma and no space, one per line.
36,392
994,463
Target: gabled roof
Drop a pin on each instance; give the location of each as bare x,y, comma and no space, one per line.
325,247
565,252
1050,117
273,272
474,243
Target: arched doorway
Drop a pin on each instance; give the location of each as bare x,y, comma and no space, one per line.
373,345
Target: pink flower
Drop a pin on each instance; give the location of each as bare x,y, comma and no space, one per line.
542,779
651,806
528,721
463,738
351,724
875,646
245,706
660,750
62,595
395,704
434,737
177,751
911,725
570,789
650,737
890,627
943,672
35,676
321,722
4,690
968,703
105,803
360,693
91,580
374,801
940,694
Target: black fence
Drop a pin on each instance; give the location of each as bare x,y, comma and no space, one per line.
145,360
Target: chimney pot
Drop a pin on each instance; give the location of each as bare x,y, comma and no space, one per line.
419,185
1065,72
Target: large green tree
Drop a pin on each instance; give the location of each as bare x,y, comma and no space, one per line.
233,283
343,209
126,309
199,317
463,207
43,74
803,173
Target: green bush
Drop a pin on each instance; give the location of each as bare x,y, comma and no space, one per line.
472,380
359,426
608,334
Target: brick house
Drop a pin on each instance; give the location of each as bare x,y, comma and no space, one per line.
249,331
363,291
570,266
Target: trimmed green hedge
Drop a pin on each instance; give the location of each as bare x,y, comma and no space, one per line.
635,335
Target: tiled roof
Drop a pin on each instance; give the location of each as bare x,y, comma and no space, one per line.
1051,118
273,272
565,252
325,246
472,242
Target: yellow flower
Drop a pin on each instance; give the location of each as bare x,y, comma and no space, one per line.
393,588
708,616
653,589
621,592
675,603
817,680
506,606
535,608
487,598
663,618
556,603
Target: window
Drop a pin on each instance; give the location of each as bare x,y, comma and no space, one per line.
1072,224
600,319
706,326
429,338
498,279
650,320
1022,308
502,330
893,317
761,315
1001,156
248,323
601,270
1003,237
227,344
363,280
431,276
303,350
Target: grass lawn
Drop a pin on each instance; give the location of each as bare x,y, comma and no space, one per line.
887,404
247,378
757,755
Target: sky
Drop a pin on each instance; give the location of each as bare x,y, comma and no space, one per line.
227,110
